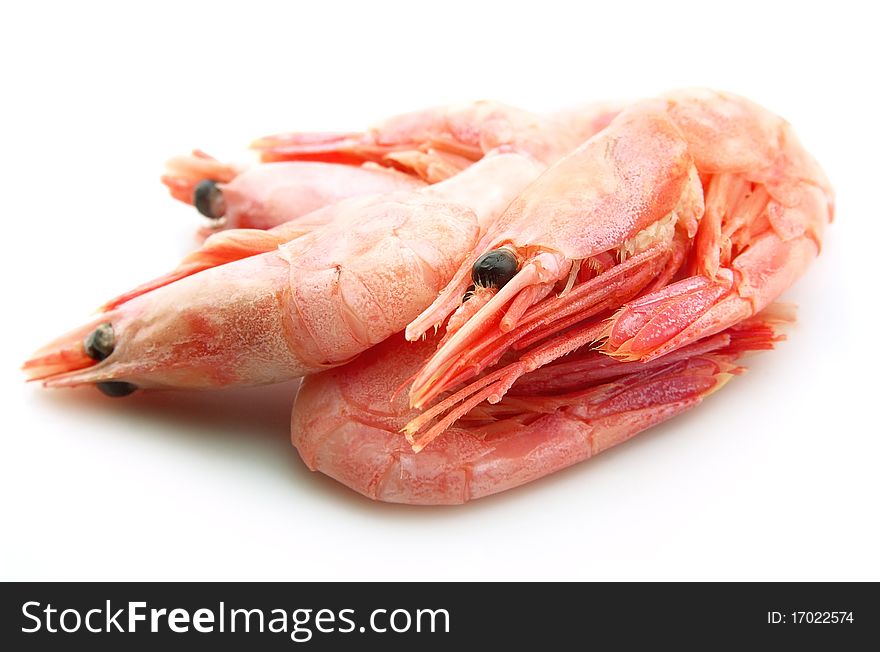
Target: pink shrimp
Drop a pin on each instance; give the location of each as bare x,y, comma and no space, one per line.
264,196
686,215
434,144
345,425
254,307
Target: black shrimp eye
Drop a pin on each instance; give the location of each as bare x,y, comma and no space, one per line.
494,268
208,199
116,388
100,342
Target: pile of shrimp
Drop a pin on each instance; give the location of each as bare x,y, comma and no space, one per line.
476,296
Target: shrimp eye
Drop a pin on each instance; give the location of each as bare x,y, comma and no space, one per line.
208,199
100,342
494,268
116,388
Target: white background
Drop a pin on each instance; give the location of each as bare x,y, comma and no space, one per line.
773,478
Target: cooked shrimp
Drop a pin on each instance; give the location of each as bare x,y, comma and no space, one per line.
266,195
436,143
345,425
686,215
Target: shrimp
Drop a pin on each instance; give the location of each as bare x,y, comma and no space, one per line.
434,144
255,307
304,172
345,425
267,195
486,199
686,215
